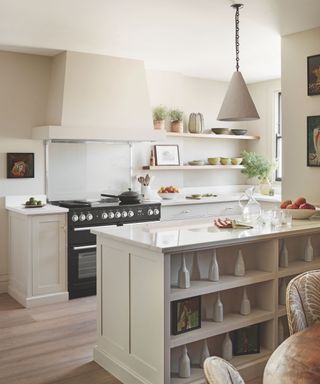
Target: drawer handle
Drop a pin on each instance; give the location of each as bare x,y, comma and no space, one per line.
84,247
186,211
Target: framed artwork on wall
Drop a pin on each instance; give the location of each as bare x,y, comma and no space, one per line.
246,340
20,165
185,315
313,141
167,154
313,75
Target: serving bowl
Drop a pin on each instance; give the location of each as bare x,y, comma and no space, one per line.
300,214
169,195
236,160
214,160
225,160
239,132
220,131
196,162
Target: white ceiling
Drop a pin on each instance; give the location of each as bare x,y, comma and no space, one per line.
195,37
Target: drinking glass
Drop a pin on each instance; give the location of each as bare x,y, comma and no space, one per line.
286,218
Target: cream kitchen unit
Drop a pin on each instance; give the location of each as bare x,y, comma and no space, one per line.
137,279
37,255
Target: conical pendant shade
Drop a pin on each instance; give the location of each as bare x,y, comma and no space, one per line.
237,104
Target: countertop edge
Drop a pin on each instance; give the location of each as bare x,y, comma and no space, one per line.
48,209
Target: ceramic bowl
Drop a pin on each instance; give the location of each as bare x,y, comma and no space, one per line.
169,195
220,131
196,162
214,160
239,132
300,214
236,160
225,160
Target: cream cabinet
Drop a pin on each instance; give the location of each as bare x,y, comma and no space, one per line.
37,258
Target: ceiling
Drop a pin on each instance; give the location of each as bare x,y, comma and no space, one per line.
195,37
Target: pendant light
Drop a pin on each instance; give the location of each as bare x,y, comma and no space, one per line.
237,104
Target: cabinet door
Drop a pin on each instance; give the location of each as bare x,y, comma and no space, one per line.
48,254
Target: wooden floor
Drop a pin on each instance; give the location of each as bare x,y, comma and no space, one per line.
50,344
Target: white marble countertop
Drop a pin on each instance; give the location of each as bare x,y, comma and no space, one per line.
16,204
196,234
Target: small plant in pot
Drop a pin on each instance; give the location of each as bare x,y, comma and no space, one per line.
176,117
159,114
257,166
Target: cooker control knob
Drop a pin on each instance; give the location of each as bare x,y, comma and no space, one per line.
111,215
124,214
130,213
156,211
104,215
75,218
89,217
82,217
117,215
150,212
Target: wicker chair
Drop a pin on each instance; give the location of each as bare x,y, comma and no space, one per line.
219,371
303,301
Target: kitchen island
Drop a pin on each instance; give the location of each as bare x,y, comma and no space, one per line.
137,280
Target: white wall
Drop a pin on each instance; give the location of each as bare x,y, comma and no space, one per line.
298,179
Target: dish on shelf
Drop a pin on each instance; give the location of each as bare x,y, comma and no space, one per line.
196,162
300,214
239,132
220,131
214,160
225,160
236,160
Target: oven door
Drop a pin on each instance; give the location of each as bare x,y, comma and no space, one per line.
82,270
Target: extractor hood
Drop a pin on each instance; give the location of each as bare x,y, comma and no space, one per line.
96,97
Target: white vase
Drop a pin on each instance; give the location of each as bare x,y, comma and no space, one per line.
265,186
195,272
184,363
227,348
183,274
284,256
308,251
145,192
280,331
282,292
213,273
204,353
245,307
218,310
239,268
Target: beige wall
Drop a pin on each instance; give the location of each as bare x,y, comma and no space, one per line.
298,179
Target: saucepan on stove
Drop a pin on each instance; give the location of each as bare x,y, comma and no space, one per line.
127,197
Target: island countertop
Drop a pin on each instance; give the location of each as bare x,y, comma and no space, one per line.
176,236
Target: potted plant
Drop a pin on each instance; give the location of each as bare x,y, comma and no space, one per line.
257,166
159,115
176,117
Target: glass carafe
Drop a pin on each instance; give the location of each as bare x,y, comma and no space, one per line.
251,209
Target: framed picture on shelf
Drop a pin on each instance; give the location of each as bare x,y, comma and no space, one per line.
20,165
313,75
313,141
246,340
185,315
167,154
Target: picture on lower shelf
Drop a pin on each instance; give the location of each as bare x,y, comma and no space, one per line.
185,315
246,340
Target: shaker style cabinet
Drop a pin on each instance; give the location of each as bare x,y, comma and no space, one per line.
37,258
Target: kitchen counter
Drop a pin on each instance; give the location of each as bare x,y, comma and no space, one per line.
16,204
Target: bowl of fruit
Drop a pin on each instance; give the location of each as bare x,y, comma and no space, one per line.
33,203
299,209
169,193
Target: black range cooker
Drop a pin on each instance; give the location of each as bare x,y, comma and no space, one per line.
82,216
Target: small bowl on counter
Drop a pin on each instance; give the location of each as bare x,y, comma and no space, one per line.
213,160
239,132
236,160
169,195
220,131
225,161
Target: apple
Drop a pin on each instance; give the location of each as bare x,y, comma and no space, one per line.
285,203
292,206
299,201
306,206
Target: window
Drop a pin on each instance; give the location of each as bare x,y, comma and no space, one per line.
278,136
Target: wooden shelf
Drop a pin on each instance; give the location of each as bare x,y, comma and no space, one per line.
282,311
191,167
211,136
203,287
299,266
230,322
197,377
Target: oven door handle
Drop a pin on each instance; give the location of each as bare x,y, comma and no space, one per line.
84,247
83,229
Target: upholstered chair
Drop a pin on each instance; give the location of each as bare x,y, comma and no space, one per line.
303,301
219,371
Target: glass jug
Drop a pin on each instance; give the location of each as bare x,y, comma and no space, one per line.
251,211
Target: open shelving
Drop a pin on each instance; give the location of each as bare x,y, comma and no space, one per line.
206,167
211,136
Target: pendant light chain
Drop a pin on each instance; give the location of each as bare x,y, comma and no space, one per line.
237,29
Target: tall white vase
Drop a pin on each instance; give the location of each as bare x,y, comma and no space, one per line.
184,363
245,307
284,256
183,274
308,251
227,348
218,310
213,273
204,353
282,292
239,268
195,272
